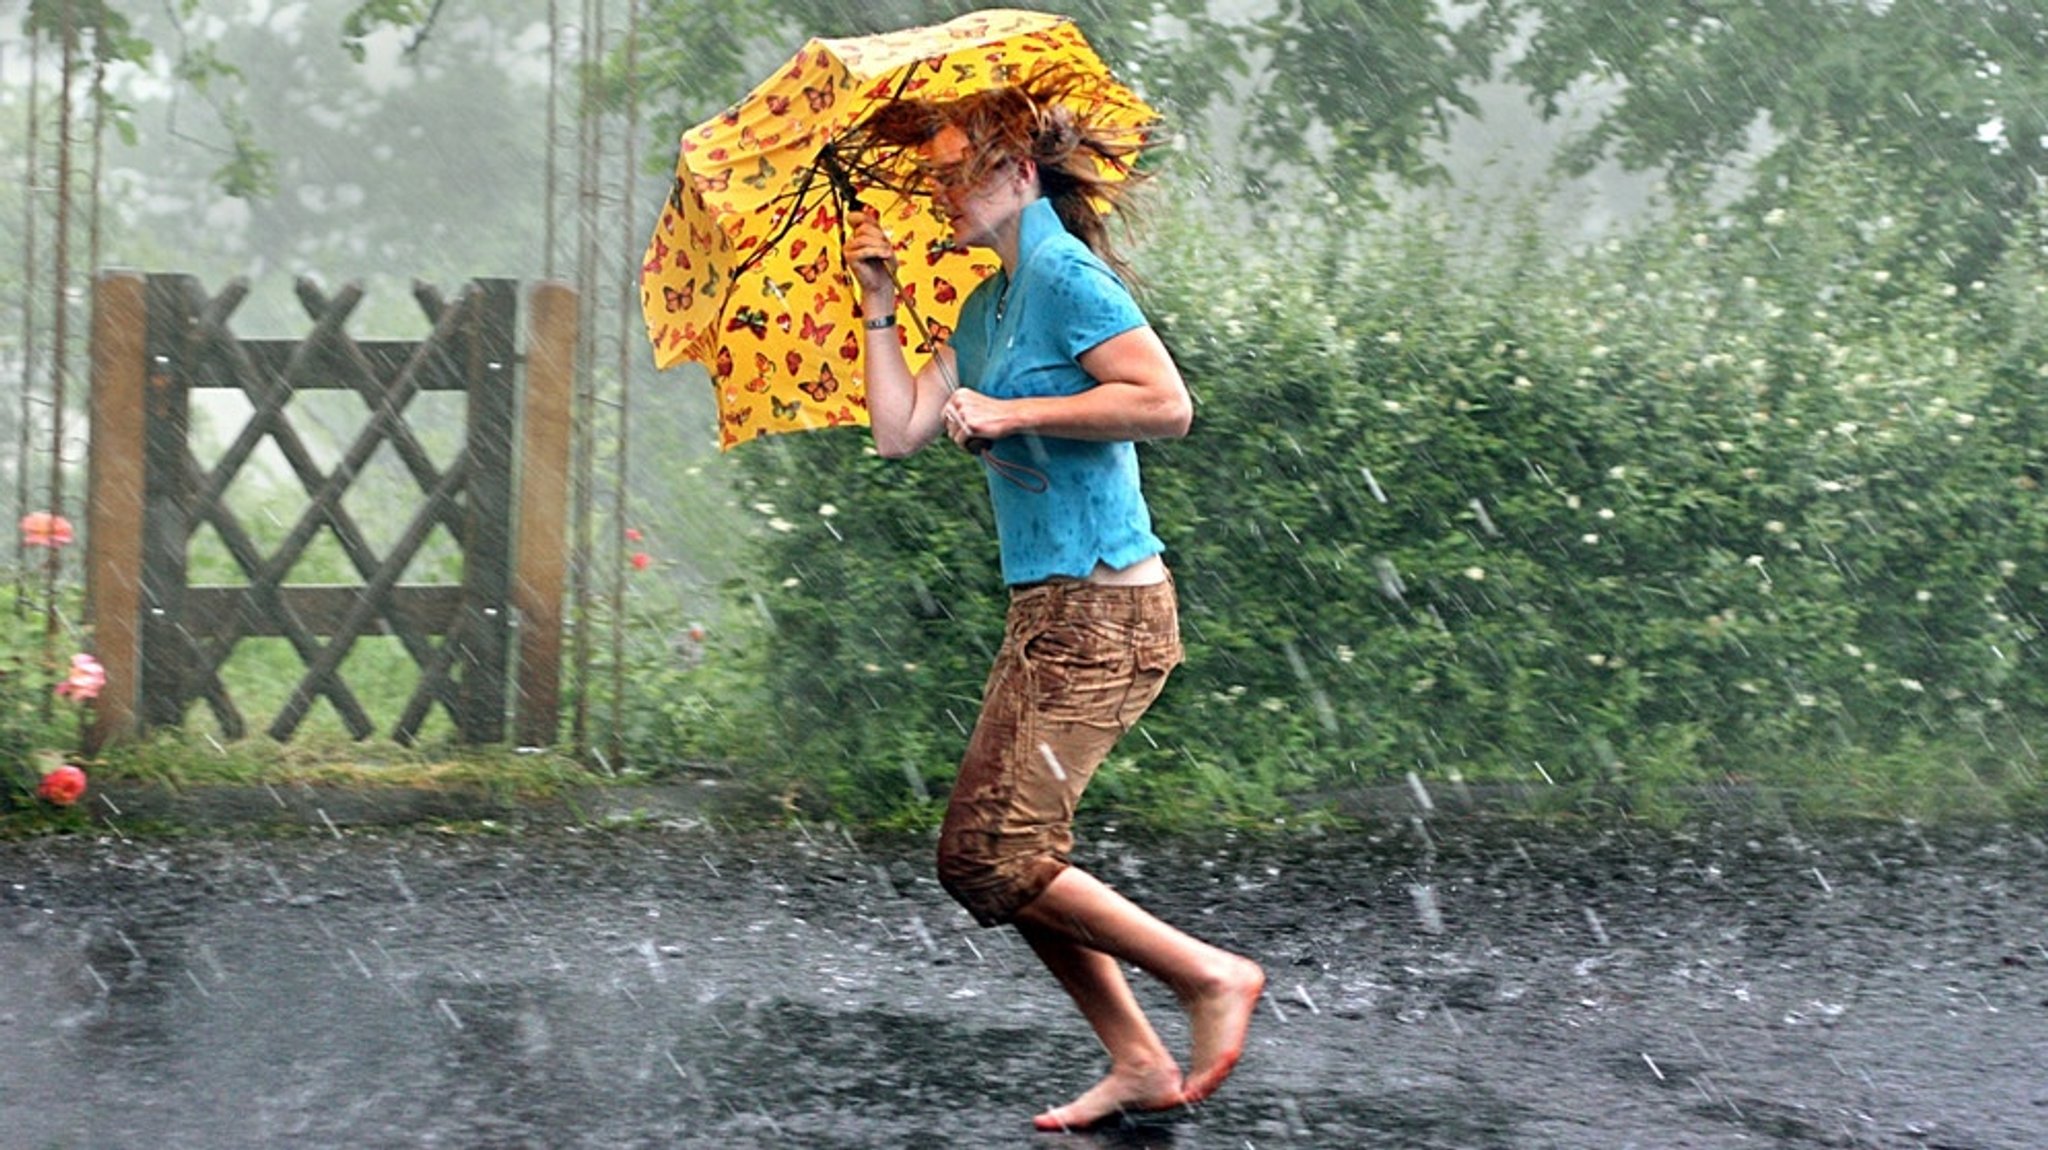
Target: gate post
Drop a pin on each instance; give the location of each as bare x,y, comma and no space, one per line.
114,502
540,569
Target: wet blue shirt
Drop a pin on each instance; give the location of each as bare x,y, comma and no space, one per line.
1064,301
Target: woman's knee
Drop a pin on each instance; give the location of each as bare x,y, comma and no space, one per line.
991,883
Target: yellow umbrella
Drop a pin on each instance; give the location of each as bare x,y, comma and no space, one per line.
744,272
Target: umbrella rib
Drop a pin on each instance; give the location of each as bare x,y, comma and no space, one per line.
782,230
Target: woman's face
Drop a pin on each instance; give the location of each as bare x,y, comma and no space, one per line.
977,208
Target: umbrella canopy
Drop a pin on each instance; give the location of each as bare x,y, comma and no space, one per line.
744,272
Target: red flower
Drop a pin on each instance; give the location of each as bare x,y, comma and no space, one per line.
633,535
641,560
42,529
62,786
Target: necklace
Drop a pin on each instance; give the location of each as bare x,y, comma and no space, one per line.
1003,297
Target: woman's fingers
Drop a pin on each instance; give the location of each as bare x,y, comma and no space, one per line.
871,252
967,417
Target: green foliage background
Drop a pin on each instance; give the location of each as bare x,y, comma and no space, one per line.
1753,496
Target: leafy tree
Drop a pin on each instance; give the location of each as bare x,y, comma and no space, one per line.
1356,90
1953,92
430,166
106,36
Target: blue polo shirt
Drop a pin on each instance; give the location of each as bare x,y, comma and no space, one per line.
1064,301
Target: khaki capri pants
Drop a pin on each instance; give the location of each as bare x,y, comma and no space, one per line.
1079,664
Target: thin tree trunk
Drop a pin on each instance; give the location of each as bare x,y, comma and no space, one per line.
548,197
31,282
589,155
60,275
628,299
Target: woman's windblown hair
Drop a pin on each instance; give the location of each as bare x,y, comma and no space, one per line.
1086,167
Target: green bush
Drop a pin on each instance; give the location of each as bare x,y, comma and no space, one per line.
1747,496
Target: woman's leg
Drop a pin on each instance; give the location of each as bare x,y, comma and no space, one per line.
1218,989
1055,704
1142,1073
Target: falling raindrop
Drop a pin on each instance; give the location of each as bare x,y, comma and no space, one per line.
1426,908
923,935
1389,579
1421,793
1319,699
914,778
1485,520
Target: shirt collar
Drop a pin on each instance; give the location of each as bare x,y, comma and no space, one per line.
1037,223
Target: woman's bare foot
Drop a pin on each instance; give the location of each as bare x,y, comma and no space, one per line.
1122,1092
1219,1018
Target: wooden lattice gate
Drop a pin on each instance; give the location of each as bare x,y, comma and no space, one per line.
164,641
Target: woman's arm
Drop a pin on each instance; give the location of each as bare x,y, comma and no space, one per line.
1139,394
905,411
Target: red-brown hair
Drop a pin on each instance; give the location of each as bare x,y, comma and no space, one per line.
1087,168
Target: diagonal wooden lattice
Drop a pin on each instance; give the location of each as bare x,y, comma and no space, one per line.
189,632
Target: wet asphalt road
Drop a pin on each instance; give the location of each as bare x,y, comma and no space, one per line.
1469,984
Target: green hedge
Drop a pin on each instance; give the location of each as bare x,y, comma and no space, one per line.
1753,495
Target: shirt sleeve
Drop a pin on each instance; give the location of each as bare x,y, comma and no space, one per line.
1093,304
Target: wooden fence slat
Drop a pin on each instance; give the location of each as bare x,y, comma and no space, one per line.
541,563
483,633
269,394
115,498
166,652
320,609
331,368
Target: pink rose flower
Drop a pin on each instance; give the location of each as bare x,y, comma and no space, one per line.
85,681
641,560
42,529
